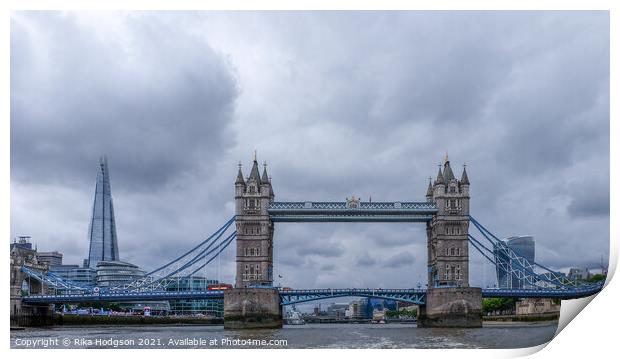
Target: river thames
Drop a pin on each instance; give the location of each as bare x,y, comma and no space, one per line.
491,335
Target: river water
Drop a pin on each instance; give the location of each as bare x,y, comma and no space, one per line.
493,335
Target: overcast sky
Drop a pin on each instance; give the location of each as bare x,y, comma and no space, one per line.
338,104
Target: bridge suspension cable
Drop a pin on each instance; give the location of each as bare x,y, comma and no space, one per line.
53,280
164,282
505,258
178,268
216,233
221,248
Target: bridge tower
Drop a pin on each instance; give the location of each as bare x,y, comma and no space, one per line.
448,256
253,303
254,228
450,301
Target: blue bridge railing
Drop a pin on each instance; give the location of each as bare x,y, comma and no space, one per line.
294,296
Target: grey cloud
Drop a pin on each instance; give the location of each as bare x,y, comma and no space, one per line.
399,237
326,250
287,259
402,259
158,102
589,199
365,260
328,267
339,104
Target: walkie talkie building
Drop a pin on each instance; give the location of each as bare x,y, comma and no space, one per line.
523,246
102,229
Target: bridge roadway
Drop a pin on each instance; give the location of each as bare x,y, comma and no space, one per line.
287,297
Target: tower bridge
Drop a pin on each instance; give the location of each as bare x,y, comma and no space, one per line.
352,210
449,301
445,213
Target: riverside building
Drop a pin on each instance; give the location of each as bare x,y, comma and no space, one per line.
112,273
193,307
50,258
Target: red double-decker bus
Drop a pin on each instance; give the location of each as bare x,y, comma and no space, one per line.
220,286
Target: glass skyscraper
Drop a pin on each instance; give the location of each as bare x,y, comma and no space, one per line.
523,246
102,229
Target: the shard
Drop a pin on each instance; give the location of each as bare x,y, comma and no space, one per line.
102,229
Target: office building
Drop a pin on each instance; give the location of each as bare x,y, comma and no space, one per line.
522,246
75,273
207,307
579,274
113,273
337,310
356,309
50,258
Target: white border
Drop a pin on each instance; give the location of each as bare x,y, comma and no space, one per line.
590,334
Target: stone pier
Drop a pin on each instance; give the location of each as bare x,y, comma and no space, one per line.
249,308
452,308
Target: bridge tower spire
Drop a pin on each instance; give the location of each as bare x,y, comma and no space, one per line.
254,228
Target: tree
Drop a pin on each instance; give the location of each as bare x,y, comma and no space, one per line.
493,304
405,313
105,305
597,278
